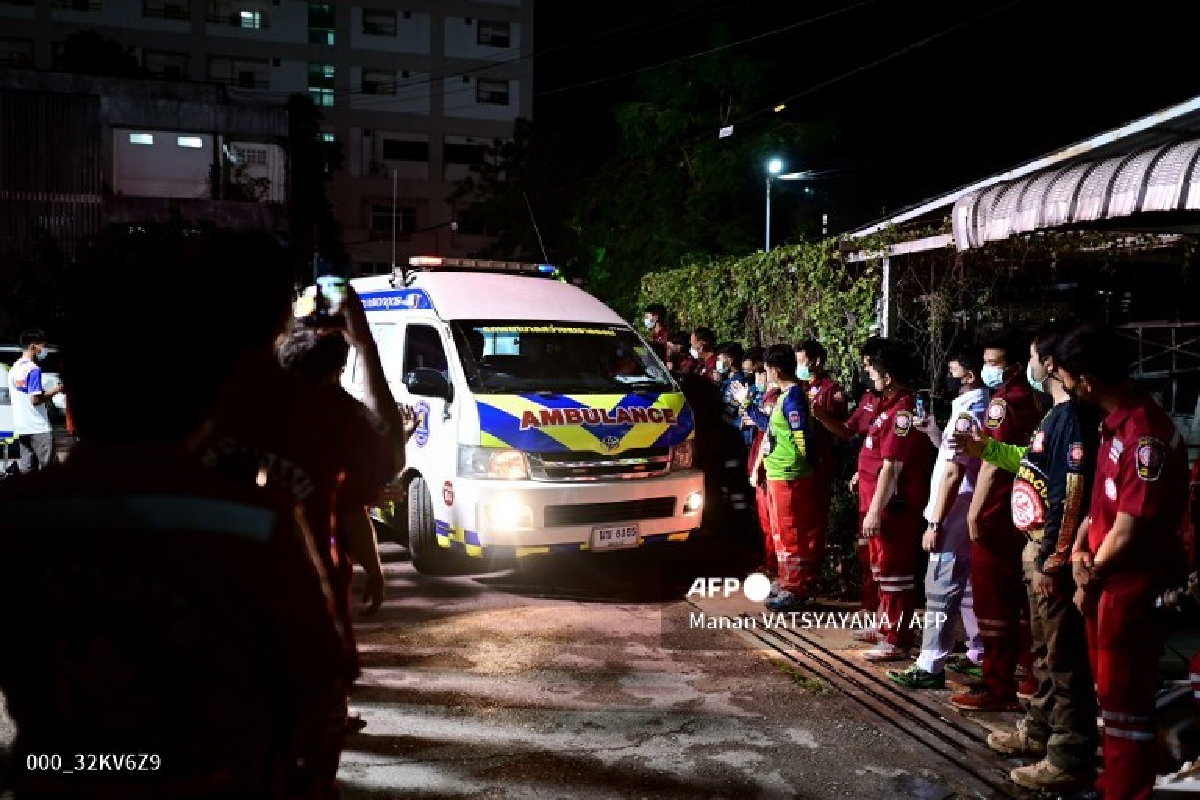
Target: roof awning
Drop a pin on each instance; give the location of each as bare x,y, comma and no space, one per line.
1164,178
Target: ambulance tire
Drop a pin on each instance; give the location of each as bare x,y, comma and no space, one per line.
428,557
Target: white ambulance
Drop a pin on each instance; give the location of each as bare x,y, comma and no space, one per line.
545,423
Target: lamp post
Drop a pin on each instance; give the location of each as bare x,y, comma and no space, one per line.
774,166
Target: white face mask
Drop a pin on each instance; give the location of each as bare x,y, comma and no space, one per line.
992,376
695,353
649,323
803,373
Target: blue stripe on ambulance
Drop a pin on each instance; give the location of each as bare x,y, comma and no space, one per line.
507,429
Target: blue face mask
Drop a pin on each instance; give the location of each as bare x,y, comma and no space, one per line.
992,376
803,373
722,367
1038,386
40,355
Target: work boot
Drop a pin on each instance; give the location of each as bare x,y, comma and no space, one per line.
962,665
787,600
1044,776
916,678
983,700
1016,743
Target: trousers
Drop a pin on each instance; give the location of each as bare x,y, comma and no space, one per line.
1062,714
1125,641
948,591
894,562
798,518
762,502
1000,603
35,451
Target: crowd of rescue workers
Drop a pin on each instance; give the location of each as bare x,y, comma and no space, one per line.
1047,510
217,456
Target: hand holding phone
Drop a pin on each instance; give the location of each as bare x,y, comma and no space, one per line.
921,406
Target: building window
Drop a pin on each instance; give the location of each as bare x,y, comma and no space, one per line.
379,22
78,5
381,219
242,73
491,92
494,34
252,156
321,23
141,138
189,141
168,66
401,150
320,83
378,82
326,136
166,9
16,53
236,15
468,154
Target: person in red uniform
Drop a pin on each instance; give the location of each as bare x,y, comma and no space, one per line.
654,319
894,466
148,605
856,427
704,354
826,394
997,569
1127,552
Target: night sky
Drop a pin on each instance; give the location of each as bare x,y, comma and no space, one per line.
1019,82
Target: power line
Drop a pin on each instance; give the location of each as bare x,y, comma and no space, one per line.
710,51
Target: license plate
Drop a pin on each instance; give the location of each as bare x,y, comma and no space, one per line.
615,538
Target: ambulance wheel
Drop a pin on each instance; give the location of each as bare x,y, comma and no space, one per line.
428,556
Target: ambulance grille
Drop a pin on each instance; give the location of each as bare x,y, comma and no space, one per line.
599,513
576,467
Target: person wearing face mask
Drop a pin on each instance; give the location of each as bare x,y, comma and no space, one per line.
948,573
677,355
823,393
1127,550
736,488
762,398
654,319
755,374
798,510
894,465
30,405
703,351
996,544
1050,499
856,427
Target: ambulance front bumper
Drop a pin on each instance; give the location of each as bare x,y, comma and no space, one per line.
522,518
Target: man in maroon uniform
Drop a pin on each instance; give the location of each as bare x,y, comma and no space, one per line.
148,605
826,394
1128,551
894,465
997,577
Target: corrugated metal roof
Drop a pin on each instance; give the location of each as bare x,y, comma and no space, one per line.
1163,178
1167,126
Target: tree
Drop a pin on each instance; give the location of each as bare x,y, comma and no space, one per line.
676,191
90,53
514,194
311,162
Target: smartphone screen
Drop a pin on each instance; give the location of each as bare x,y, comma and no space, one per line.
921,409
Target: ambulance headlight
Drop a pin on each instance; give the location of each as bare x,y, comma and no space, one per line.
492,463
682,455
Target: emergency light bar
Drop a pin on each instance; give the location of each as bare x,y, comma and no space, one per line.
438,263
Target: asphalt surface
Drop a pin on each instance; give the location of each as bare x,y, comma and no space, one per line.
580,678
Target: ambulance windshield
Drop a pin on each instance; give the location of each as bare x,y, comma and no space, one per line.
505,356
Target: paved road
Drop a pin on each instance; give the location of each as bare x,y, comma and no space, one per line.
554,682
580,679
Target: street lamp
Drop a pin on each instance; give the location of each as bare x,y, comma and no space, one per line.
774,167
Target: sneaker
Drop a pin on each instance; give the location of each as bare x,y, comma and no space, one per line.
866,636
961,665
787,600
916,678
886,652
1045,776
1027,688
1015,743
984,700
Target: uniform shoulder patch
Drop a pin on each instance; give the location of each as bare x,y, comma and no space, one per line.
1150,457
1075,455
964,423
794,418
839,397
903,423
997,410
1039,442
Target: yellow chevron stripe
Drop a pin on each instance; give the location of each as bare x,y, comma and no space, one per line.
532,551
679,537
488,440
646,435
460,536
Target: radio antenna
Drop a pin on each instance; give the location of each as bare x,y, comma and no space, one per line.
545,258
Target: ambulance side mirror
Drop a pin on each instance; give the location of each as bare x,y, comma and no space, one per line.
427,382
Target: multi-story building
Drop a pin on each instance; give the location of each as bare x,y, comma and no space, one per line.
413,89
